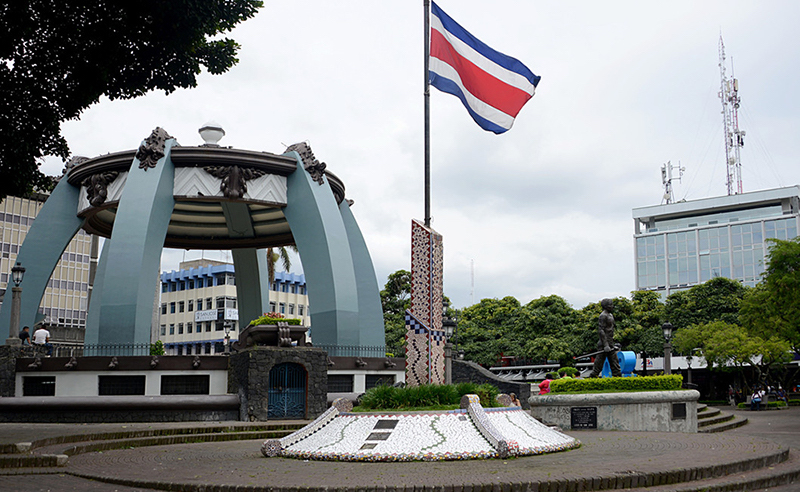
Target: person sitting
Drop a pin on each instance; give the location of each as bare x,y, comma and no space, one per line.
41,338
755,400
544,386
25,335
514,400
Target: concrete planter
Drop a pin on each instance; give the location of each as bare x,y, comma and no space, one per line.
654,411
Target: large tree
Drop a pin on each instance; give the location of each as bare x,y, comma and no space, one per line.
395,299
715,300
57,57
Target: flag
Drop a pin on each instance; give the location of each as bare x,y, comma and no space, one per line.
492,86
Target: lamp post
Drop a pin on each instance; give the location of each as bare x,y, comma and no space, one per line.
448,325
666,328
227,325
17,273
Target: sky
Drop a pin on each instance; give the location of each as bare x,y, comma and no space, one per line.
544,208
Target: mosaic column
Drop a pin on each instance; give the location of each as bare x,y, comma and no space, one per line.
424,336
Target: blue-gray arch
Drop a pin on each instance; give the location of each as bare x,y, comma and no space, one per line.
48,237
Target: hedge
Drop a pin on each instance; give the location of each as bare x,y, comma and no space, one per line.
273,320
426,395
770,404
643,383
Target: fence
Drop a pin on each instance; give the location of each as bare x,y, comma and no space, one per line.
123,349
359,351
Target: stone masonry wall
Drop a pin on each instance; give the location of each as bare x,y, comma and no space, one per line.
248,377
466,372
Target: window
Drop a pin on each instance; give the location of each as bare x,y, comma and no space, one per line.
207,348
209,303
180,328
275,286
230,279
199,283
283,308
291,308
300,309
164,287
191,284
38,386
172,328
163,330
284,288
271,307
172,307
340,383
293,289
199,304
220,325
220,302
182,285
181,306
230,302
189,327
373,380
120,385
208,326
190,306
180,350
184,385
303,289
164,308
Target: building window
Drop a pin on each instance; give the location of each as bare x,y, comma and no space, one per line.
191,284
190,306
164,308
303,290
181,306
185,385
182,285
199,304
340,383
220,302
293,289
180,328
373,380
271,307
179,350
209,303
172,328
283,308
291,308
275,286
207,348
199,283
172,308
300,309
38,386
284,288
220,325
208,326
120,385
189,327
163,330
164,287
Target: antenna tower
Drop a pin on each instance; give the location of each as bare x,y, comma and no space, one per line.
734,138
666,180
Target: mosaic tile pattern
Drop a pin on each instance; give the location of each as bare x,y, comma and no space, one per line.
454,435
425,347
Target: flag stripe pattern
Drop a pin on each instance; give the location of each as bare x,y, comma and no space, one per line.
492,86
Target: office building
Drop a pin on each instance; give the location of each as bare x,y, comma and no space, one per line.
63,306
198,303
679,245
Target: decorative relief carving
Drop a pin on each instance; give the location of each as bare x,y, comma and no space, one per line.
97,187
74,161
234,179
152,149
315,168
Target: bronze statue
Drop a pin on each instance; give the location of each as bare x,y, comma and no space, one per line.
605,329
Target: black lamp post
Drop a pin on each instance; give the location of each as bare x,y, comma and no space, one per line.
227,325
666,328
17,273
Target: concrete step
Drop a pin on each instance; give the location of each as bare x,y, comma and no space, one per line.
733,423
701,407
774,475
717,419
708,413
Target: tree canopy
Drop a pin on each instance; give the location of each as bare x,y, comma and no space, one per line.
58,57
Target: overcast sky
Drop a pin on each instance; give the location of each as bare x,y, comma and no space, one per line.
542,209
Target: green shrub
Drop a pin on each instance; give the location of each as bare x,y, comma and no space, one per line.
427,395
157,348
272,319
645,383
794,403
770,404
569,371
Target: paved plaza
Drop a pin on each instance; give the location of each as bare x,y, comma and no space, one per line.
239,465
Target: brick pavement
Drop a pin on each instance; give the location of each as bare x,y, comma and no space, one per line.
227,465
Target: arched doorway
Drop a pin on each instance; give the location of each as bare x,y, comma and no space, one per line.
287,391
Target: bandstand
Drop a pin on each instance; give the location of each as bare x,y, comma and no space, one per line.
163,195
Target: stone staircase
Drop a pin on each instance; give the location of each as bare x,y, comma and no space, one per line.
710,419
43,455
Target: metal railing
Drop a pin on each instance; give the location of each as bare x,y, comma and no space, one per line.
359,351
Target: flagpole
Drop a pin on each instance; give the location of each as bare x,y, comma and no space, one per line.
427,5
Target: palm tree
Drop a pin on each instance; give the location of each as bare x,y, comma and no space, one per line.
278,254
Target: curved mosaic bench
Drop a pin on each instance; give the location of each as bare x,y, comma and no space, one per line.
468,433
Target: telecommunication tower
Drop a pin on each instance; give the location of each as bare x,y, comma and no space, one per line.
734,137
666,180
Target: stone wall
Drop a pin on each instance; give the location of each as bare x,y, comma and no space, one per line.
8,373
248,377
466,372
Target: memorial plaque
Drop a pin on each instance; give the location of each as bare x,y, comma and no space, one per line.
679,411
386,424
583,418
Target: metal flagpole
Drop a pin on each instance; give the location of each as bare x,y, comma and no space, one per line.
427,5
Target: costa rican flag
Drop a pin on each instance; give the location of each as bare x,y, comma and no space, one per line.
492,86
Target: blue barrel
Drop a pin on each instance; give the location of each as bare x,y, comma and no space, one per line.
627,363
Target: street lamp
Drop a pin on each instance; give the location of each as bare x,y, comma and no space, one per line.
17,273
227,325
666,328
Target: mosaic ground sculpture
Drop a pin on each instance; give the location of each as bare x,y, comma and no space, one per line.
471,432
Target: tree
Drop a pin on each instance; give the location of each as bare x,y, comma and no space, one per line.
488,329
274,255
58,58
715,300
773,307
395,299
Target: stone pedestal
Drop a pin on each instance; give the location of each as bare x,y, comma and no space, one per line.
248,377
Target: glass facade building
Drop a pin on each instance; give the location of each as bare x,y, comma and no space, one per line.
683,244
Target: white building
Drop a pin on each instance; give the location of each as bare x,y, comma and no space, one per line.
198,300
679,245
